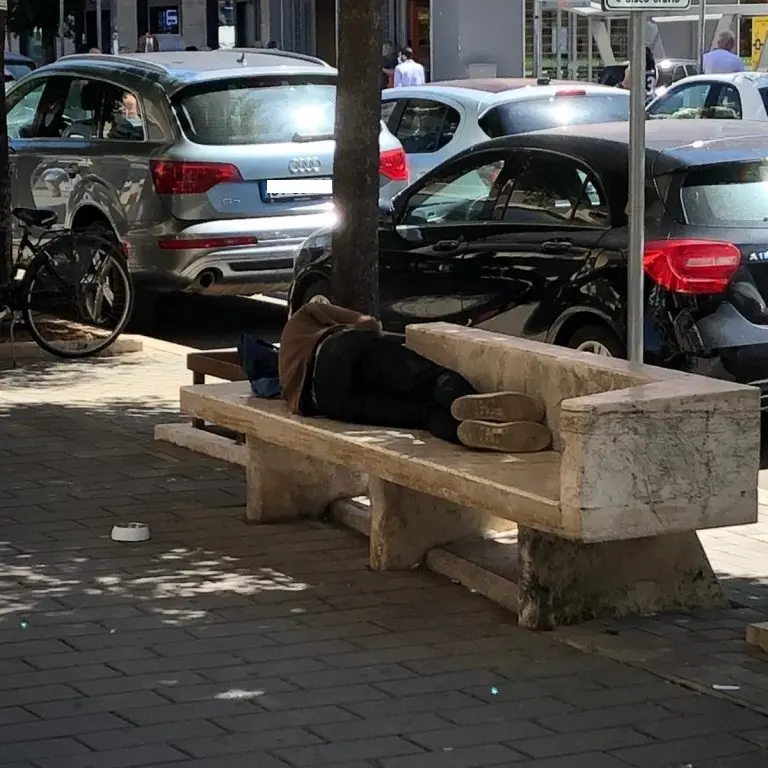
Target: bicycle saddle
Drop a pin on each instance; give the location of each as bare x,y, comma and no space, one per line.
36,217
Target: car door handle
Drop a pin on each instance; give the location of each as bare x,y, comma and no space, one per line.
556,246
447,245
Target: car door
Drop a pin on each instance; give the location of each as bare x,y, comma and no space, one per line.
51,150
426,129
696,100
420,254
545,227
22,112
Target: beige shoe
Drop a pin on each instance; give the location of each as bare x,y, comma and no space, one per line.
497,406
509,437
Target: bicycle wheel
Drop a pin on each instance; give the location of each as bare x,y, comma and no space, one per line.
77,296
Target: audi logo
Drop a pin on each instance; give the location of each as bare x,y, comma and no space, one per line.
305,165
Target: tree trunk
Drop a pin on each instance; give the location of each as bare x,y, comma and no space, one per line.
50,46
5,180
355,279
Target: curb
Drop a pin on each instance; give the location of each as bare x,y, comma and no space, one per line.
28,350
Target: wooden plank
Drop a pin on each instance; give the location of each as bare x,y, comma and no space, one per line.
523,488
221,364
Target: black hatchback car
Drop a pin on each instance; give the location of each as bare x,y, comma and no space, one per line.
527,235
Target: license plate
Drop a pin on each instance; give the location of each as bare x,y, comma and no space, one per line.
277,188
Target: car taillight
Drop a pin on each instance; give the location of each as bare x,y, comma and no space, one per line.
393,165
691,266
570,92
172,177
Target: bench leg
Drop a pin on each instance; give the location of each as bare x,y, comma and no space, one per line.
406,524
564,582
283,484
198,378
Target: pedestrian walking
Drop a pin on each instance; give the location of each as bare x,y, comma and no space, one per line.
722,60
389,62
408,71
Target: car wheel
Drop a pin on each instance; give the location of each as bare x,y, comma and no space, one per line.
597,339
317,293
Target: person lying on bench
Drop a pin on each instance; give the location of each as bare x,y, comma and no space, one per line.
338,363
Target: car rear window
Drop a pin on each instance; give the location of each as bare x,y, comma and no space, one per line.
561,110
265,111
732,195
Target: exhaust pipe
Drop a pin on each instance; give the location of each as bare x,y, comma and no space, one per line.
207,278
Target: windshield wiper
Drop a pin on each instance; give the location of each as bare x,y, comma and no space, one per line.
304,137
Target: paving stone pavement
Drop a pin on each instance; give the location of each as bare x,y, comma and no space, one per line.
219,645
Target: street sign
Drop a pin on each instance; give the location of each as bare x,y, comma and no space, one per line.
646,6
759,32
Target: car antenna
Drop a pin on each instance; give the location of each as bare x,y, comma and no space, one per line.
242,59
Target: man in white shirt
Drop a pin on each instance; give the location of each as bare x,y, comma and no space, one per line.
408,71
723,60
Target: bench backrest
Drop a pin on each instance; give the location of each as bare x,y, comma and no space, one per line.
495,362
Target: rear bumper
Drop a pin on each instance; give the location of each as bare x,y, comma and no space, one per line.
265,265
740,349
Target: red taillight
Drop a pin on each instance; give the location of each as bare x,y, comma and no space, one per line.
205,243
179,178
692,266
571,92
394,165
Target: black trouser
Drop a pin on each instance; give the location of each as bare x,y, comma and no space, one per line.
364,378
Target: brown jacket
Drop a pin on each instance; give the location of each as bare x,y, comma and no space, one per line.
301,335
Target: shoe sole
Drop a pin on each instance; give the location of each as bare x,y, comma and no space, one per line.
512,437
497,406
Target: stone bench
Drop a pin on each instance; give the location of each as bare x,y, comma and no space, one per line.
606,521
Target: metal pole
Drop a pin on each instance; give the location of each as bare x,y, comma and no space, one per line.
538,42
702,32
558,24
590,50
99,30
336,22
635,287
61,27
573,23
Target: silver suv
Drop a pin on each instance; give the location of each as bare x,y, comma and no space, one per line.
210,167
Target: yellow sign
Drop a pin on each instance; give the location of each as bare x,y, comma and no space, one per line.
759,32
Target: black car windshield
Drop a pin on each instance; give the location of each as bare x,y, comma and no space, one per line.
732,195
556,111
266,111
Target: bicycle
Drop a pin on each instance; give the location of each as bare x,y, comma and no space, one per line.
71,288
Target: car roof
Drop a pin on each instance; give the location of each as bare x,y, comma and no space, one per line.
494,90
20,58
177,69
671,144
725,77
670,61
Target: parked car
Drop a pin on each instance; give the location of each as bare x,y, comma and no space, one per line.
527,235
672,70
210,167
17,65
436,121
742,96
668,71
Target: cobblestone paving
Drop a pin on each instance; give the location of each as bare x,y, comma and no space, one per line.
220,645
